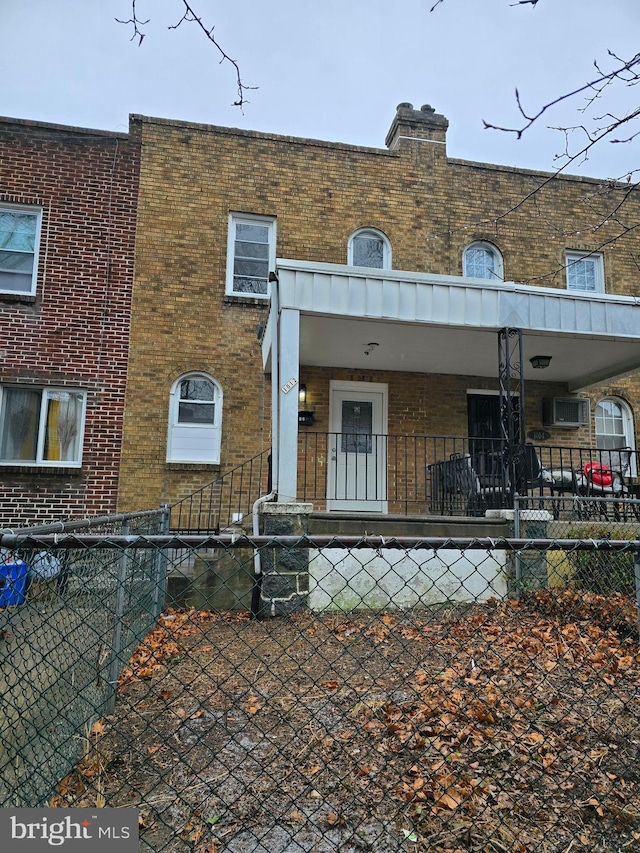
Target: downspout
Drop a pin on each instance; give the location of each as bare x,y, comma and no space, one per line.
275,374
257,562
275,382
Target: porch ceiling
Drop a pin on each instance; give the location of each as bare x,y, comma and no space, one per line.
578,361
449,325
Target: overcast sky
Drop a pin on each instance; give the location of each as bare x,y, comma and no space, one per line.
327,69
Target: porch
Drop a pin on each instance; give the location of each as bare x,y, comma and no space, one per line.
385,354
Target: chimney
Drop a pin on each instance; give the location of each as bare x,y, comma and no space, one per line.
424,124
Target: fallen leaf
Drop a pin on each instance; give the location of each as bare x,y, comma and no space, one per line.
450,799
253,705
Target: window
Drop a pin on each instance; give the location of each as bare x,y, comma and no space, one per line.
482,260
195,415
251,254
369,248
584,272
614,424
41,426
19,235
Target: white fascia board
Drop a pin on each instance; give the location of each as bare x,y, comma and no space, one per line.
358,292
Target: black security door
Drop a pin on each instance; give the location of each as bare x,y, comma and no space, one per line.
486,443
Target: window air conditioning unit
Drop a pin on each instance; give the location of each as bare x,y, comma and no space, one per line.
567,412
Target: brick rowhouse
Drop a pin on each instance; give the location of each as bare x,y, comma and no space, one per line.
430,207
74,332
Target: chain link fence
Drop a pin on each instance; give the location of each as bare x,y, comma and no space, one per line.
441,695
71,617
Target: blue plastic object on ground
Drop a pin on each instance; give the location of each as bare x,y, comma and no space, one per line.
13,582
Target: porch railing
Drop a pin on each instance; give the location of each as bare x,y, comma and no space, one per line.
410,475
226,500
449,475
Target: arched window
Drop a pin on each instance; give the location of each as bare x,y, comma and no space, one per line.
195,419
482,260
369,248
614,424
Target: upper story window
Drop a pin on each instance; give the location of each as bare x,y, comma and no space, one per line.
369,248
251,254
482,260
19,236
195,417
585,272
41,426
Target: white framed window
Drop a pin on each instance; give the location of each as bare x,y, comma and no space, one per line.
195,419
614,424
19,240
482,260
368,247
42,426
585,272
251,254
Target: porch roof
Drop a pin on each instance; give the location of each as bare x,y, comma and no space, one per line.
447,324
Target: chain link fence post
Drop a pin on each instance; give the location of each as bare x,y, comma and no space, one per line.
517,557
161,564
116,644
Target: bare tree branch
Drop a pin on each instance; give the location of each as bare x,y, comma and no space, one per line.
137,23
190,16
632,65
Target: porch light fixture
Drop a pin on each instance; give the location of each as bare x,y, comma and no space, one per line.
540,361
305,416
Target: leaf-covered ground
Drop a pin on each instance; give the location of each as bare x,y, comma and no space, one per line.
512,726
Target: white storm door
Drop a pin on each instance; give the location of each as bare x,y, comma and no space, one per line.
357,467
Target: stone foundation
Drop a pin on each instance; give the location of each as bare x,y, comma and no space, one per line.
285,573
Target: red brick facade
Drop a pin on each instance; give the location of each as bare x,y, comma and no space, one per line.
74,333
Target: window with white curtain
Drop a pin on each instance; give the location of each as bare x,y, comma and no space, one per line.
19,237
41,426
195,418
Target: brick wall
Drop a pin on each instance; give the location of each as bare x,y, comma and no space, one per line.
75,332
430,207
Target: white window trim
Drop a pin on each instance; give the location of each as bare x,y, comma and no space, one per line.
215,430
34,210
234,219
373,232
572,256
484,244
39,462
628,425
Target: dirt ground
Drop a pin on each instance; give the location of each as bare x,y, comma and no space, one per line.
511,726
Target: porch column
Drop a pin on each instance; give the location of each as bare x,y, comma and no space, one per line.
512,420
288,373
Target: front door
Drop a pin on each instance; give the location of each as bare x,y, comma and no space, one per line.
357,466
